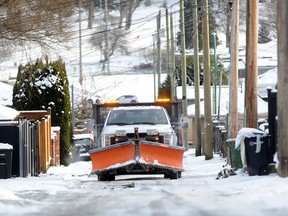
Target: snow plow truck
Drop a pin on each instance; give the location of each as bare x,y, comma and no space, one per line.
138,138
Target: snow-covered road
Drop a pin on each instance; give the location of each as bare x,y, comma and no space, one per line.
72,191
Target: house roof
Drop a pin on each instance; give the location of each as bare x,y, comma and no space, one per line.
7,113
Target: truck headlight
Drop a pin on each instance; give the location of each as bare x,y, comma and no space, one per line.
152,132
120,136
152,135
167,138
120,133
106,139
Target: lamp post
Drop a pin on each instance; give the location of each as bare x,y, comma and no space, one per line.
215,73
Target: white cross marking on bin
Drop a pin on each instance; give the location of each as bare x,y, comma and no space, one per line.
257,143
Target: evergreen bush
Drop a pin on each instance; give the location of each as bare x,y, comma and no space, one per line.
41,85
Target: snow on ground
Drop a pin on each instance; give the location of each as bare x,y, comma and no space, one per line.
112,87
71,190
139,37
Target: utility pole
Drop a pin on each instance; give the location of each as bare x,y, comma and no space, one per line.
154,68
183,69
228,27
80,46
159,68
282,88
215,76
173,90
196,81
233,81
251,64
207,85
107,50
168,44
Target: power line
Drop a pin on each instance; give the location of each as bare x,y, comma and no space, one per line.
129,32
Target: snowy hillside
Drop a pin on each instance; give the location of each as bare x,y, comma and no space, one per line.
140,40
139,37
126,80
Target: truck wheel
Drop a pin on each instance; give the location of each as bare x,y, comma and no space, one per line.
106,177
174,175
102,177
166,175
179,174
111,177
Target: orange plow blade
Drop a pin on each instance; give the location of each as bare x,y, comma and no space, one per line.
108,157
161,155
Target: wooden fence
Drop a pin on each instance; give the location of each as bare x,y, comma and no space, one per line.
45,149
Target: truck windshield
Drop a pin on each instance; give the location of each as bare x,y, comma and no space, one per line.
137,116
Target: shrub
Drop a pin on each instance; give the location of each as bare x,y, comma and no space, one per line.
42,85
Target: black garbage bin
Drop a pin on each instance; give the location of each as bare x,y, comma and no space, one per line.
258,154
5,161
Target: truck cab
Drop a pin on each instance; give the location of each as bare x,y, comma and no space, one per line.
152,123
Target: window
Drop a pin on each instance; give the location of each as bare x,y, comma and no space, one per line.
137,116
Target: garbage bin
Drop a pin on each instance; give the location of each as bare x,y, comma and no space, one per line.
258,154
5,160
233,154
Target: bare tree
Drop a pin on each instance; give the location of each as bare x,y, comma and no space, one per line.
90,14
126,10
268,19
116,40
223,13
43,21
116,36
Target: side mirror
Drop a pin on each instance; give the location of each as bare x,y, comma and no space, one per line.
184,122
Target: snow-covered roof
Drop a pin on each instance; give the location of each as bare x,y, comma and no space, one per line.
7,113
82,136
267,80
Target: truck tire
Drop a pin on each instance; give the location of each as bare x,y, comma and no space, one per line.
106,177
174,175
166,175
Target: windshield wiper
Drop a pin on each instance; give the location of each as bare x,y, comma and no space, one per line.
118,123
150,123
